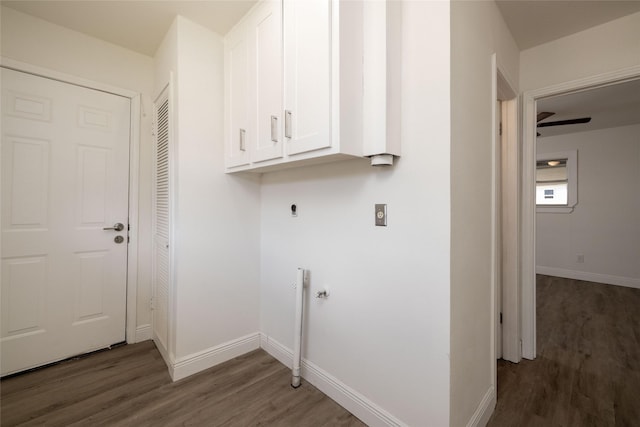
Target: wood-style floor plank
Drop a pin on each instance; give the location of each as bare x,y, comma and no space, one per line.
129,385
587,371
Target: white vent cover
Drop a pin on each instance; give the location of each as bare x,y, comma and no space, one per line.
161,221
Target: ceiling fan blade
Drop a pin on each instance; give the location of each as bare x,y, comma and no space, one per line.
565,122
543,115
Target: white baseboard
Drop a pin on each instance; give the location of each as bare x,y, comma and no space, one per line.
370,413
164,351
196,362
608,279
484,410
277,350
143,333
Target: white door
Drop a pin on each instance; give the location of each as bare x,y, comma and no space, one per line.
267,28
308,72
65,163
238,133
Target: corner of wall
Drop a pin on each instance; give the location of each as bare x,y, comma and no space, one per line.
353,401
478,32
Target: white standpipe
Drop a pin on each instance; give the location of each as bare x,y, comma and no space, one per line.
297,336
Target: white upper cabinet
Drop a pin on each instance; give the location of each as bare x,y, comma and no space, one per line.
266,29
308,76
299,55
237,100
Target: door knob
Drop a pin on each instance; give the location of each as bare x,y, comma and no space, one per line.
117,227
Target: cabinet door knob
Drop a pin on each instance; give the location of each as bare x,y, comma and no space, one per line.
242,143
274,129
287,124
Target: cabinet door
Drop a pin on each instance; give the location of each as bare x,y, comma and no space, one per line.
237,131
267,33
308,74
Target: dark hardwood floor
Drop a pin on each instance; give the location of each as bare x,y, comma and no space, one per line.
587,372
130,386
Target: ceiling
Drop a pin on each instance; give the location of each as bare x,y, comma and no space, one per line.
609,106
138,25
534,22
141,25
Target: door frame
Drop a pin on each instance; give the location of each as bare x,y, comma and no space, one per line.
528,205
501,89
134,157
509,218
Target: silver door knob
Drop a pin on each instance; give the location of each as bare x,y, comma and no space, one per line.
118,239
117,227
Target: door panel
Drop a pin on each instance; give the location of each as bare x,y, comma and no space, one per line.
238,132
65,163
267,32
307,59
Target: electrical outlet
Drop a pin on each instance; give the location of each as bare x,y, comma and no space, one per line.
381,215
580,259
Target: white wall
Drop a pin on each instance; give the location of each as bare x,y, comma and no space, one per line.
604,48
216,215
384,330
478,31
37,42
605,224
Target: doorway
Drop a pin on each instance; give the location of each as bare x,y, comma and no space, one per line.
66,152
528,230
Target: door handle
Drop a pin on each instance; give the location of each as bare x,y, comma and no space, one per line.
242,140
287,124
116,227
274,129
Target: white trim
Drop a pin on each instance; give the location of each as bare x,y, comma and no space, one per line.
277,350
528,228
484,410
496,221
504,268
24,67
196,362
367,411
134,199
143,333
134,171
528,205
173,214
607,279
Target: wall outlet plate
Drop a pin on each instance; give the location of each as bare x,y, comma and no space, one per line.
381,215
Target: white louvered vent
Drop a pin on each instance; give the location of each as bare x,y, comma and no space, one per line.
162,171
161,221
